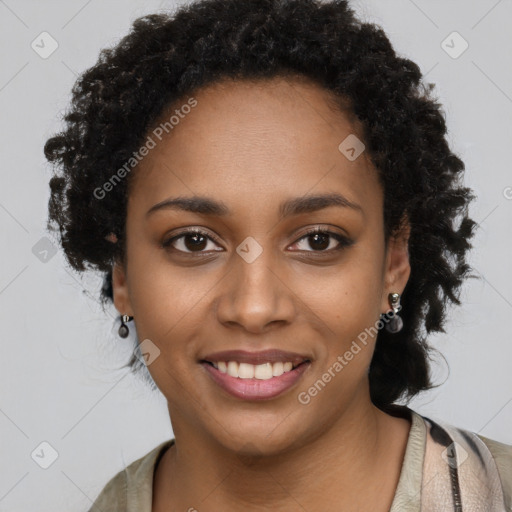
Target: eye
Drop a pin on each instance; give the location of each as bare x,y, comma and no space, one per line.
190,241
322,240
196,241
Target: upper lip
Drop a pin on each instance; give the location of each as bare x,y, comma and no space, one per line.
256,358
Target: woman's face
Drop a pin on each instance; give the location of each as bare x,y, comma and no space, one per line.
254,279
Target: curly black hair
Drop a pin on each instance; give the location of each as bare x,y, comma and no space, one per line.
168,55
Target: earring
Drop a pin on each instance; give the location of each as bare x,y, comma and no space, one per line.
123,328
395,323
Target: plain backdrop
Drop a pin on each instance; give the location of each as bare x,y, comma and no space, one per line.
59,383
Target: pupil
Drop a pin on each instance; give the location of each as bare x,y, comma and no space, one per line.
323,237
199,241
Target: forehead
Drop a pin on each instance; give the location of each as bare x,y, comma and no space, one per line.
254,140
295,105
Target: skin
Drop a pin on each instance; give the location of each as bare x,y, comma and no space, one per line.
252,146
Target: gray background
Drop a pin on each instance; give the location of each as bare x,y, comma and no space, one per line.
58,384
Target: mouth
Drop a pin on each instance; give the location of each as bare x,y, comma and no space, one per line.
255,382
262,371
272,356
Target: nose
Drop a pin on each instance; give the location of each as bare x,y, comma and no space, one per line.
255,294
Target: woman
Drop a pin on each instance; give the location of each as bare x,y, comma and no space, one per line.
269,191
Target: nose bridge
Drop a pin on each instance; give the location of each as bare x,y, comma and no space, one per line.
255,295
254,271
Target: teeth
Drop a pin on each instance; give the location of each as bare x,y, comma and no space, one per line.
250,371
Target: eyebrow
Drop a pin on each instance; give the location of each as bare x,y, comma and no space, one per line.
299,205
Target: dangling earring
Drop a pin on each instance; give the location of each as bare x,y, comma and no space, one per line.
395,323
123,328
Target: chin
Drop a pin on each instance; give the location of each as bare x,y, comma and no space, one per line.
254,440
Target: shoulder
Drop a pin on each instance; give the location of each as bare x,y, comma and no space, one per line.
481,465
132,487
113,496
502,455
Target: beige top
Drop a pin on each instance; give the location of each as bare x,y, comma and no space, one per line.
444,469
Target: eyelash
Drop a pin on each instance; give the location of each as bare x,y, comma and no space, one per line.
342,240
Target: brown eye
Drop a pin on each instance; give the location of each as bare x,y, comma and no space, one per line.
190,241
319,240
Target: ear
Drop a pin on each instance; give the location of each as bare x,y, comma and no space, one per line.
120,290
397,268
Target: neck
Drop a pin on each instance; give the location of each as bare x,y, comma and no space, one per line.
362,450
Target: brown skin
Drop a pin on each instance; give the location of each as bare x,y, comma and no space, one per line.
253,146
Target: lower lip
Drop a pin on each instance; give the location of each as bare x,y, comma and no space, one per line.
256,389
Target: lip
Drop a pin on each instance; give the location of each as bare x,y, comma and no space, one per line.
256,358
256,389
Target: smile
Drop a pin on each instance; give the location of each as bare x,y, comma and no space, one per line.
251,382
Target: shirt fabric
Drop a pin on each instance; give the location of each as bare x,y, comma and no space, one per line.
444,469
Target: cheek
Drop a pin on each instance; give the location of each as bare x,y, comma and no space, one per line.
350,309
165,305
170,303
353,327
157,294
167,309
347,297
